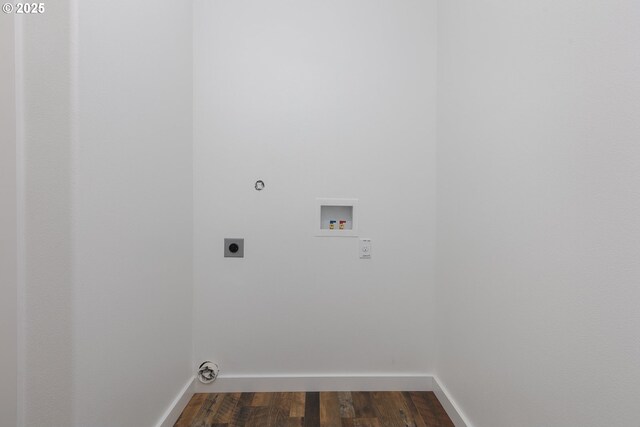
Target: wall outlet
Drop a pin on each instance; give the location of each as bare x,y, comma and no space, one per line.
365,249
234,248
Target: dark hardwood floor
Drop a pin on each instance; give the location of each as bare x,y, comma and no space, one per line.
315,409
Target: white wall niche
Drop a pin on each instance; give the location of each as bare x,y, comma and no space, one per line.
333,209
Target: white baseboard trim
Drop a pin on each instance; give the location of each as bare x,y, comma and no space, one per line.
453,410
237,384
176,407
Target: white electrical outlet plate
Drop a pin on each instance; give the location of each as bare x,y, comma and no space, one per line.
365,249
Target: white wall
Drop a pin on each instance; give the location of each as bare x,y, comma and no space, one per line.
8,228
44,182
318,99
538,207
108,211
132,211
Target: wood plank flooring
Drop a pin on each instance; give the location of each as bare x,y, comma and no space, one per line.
315,409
